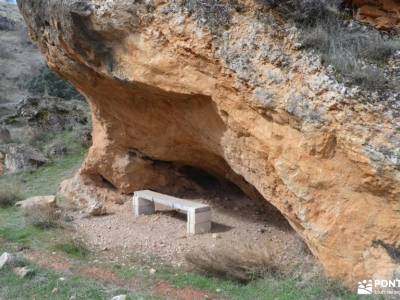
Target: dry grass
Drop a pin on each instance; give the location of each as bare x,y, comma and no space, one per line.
358,53
215,14
238,262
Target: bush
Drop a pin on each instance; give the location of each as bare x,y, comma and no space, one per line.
242,263
43,217
369,44
56,149
306,12
9,195
49,83
215,14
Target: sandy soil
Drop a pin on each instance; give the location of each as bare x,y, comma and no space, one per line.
237,220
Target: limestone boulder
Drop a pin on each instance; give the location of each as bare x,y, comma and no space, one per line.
46,203
7,260
119,297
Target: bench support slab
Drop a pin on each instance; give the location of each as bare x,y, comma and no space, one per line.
143,206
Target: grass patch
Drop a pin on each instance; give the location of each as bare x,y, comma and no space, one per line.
44,180
270,287
75,248
67,138
15,229
47,285
14,226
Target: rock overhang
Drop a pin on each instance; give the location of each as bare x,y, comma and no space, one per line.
244,104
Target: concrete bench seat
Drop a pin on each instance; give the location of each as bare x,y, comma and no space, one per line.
198,214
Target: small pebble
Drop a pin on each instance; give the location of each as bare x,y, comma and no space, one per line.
119,297
152,271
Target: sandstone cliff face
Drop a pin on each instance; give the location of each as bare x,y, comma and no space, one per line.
384,14
237,99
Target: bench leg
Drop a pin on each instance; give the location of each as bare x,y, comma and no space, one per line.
199,222
143,206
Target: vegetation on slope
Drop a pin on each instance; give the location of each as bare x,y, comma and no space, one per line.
48,83
358,53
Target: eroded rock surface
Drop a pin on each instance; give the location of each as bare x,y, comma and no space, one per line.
384,14
219,88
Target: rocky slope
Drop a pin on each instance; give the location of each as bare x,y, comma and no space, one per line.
19,59
219,87
37,108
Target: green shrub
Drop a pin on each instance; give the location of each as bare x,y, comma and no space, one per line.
9,195
48,82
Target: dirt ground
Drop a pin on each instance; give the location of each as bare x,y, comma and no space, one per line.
237,220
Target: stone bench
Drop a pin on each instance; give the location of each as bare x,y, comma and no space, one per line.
198,214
